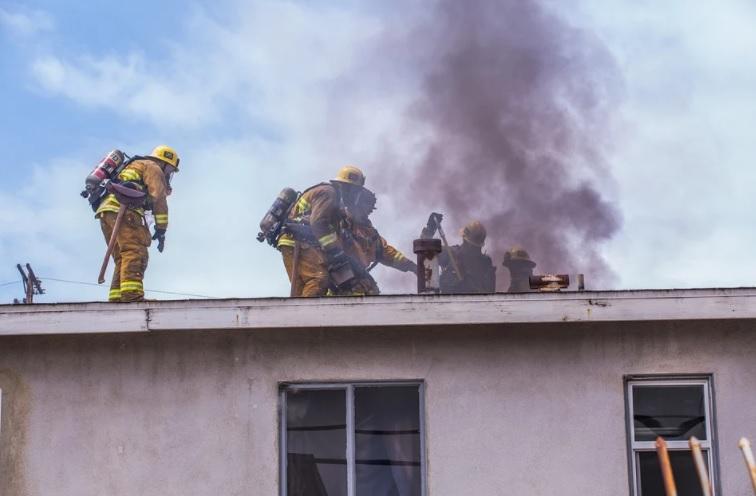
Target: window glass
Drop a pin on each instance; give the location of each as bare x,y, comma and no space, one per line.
316,442
387,441
673,412
684,471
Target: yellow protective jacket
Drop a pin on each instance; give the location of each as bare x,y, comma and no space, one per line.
368,246
319,207
148,176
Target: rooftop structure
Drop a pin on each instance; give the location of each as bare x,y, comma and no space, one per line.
558,393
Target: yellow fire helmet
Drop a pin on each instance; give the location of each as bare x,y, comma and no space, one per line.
166,154
474,233
351,175
517,255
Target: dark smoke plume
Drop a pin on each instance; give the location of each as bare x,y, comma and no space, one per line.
517,109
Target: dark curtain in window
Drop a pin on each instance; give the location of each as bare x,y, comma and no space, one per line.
686,478
387,441
316,442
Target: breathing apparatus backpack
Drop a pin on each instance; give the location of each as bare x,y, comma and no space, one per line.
105,171
275,218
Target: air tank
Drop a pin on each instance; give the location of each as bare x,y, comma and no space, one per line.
277,212
103,170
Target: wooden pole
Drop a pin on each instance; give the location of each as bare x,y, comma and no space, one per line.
666,467
698,460
453,259
745,446
112,243
295,269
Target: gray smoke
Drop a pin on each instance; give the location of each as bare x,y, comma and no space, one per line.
516,109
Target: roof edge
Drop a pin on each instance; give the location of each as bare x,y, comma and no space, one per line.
378,311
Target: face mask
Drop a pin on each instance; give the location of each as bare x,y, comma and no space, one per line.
168,177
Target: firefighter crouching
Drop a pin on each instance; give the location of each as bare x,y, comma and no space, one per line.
310,245
151,174
476,271
367,247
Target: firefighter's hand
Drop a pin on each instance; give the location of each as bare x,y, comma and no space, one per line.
410,267
160,237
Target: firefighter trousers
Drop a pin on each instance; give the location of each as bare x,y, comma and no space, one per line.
129,254
312,272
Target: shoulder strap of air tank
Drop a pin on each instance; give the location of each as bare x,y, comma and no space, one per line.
125,164
313,187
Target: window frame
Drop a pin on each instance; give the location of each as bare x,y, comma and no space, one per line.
348,387
708,446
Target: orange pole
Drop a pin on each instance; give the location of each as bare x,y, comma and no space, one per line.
745,446
698,460
295,269
666,467
112,243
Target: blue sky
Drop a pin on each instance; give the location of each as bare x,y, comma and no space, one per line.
243,90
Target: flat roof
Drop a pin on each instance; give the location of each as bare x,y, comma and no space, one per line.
378,311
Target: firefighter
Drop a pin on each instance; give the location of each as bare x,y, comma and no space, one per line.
151,174
368,248
476,271
312,230
520,268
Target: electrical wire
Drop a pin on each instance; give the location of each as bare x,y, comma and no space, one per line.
146,290
10,282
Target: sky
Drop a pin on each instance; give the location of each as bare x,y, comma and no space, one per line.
259,95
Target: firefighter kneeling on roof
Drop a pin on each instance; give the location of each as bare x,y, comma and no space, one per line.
152,175
368,248
312,240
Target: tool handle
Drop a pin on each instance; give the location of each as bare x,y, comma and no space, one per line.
745,446
453,259
698,460
295,269
666,467
111,243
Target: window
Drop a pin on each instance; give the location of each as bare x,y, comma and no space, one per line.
676,410
352,439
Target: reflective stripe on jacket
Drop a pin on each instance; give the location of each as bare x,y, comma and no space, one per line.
318,207
148,175
369,247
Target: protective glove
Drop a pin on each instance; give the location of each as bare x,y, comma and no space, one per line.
410,266
160,237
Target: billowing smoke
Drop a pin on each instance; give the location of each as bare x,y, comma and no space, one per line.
515,112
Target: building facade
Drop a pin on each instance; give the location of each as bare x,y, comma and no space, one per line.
531,394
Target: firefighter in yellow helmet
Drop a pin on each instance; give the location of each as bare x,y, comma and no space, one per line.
151,174
313,224
368,248
520,266
476,271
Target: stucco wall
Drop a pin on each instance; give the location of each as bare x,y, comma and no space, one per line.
530,410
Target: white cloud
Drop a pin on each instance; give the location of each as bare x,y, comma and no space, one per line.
683,162
128,86
269,64
25,23
270,70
